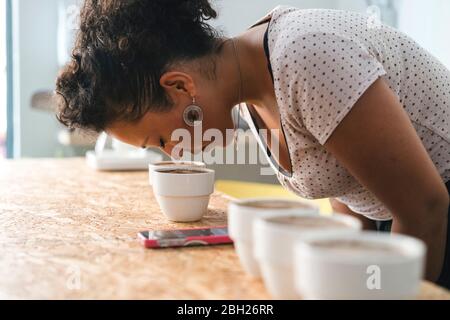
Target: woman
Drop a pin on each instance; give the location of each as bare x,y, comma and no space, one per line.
361,110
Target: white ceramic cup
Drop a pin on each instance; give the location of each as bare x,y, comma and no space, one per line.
172,165
242,214
274,246
183,197
390,267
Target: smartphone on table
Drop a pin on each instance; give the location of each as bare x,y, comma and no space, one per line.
185,237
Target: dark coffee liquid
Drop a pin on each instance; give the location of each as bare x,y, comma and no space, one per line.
174,164
308,222
355,246
274,205
183,171
165,164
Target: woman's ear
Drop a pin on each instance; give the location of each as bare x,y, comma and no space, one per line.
178,83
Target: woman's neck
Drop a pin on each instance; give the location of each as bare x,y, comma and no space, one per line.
257,81
246,67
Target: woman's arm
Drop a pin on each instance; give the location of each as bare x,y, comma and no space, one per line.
339,207
379,146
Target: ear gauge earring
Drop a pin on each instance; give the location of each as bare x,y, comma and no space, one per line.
193,114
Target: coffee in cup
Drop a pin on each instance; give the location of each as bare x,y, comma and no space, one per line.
275,238
184,171
359,266
308,222
183,194
275,204
241,216
172,165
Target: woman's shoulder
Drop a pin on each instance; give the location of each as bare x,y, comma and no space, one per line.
319,71
289,23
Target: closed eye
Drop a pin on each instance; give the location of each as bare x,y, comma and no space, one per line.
161,143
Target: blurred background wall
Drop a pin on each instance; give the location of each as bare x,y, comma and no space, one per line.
35,67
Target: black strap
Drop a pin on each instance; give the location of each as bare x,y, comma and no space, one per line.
266,50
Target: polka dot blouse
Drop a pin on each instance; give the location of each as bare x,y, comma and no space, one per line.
322,61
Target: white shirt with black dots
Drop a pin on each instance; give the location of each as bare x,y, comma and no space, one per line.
322,62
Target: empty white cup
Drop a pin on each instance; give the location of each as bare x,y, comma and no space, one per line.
173,165
365,266
183,197
241,216
274,241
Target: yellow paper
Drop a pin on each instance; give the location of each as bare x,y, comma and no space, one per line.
242,190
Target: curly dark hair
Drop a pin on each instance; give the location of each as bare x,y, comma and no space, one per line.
121,50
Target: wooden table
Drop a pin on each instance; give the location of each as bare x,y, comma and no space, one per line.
68,232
